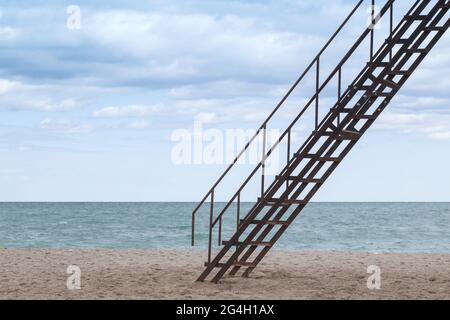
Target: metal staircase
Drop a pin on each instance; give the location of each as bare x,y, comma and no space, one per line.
308,167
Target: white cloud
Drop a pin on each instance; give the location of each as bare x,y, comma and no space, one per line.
7,32
42,103
444,135
395,119
65,126
139,124
428,116
432,126
24,148
256,116
7,86
240,110
206,117
226,89
220,110
49,98
217,66
46,105
127,111
179,47
414,103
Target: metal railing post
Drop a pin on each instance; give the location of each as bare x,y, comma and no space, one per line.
193,230
317,91
288,153
219,238
263,167
339,94
211,213
391,27
238,211
238,221
372,33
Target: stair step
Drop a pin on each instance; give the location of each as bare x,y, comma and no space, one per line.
436,28
306,180
390,84
349,135
244,264
219,265
284,203
402,41
419,17
343,110
365,117
417,51
323,159
236,264
400,72
382,64
269,222
301,180
383,94
386,82
252,243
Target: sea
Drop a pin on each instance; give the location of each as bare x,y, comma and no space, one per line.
370,227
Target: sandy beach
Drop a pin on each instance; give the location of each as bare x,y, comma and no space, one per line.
170,274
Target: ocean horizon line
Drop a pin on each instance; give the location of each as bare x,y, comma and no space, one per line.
196,202
365,226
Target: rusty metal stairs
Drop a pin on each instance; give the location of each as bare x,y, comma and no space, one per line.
307,169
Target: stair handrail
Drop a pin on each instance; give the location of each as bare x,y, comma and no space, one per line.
375,57
210,193
333,73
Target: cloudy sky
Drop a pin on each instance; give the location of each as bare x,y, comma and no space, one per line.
88,114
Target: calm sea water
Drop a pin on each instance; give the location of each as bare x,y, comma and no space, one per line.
380,227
